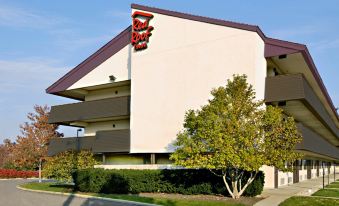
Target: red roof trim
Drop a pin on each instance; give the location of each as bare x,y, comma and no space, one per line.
109,49
274,50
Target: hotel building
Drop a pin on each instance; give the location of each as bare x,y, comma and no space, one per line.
134,91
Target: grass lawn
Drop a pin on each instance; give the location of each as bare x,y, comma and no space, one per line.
309,201
160,201
327,193
333,191
332,186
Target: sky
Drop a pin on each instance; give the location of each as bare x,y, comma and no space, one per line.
42,40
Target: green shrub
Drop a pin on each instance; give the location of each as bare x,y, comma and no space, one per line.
60,167
165,181
256,187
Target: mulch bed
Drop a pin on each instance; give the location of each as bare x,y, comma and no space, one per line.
243,200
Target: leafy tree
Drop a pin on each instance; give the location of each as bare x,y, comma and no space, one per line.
31,146
6,156
234,133
61,166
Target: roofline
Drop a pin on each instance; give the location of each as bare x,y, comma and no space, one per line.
123,39
101,55
248,27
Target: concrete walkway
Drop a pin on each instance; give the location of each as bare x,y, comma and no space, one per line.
305,188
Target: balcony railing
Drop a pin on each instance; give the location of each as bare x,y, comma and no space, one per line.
90,110
314,143
295,87
103,141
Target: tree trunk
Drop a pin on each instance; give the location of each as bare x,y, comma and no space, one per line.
235,192
227,187
235,189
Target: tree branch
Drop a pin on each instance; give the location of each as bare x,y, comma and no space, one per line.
215,173
249,181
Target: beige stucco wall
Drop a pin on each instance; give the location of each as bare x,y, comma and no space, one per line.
184,61
92,128
108,93
269,176
117,65
284,177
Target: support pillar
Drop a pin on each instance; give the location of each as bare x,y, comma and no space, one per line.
153,159
276,177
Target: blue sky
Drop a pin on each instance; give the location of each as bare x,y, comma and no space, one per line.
41,40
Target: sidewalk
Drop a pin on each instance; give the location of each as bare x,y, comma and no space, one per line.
304,188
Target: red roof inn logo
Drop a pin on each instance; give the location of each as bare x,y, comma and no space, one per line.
141,29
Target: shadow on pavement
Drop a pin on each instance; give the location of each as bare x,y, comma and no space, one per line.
68,201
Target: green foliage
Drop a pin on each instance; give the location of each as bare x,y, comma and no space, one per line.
164,181
281,136
256,187
61,166
235,133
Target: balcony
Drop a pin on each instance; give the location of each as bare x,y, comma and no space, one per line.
104,109
103,141
296,97
314,145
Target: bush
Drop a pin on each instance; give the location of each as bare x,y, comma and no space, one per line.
60,167
256,187
165,181
11,173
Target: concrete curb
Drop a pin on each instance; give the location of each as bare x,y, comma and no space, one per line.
85,196
31,178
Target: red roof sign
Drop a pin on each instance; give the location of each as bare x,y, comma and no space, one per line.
141,29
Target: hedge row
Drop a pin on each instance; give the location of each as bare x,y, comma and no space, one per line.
11,173
164,181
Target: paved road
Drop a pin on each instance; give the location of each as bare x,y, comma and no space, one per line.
11,196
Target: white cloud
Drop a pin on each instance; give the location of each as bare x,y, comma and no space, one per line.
75,43
28,74
119,14
326,44
19,17
294,32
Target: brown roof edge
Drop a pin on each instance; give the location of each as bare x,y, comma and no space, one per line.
220,22
101,55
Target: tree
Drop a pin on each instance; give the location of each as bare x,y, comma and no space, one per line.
235,133
60,166
6,156
31,147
